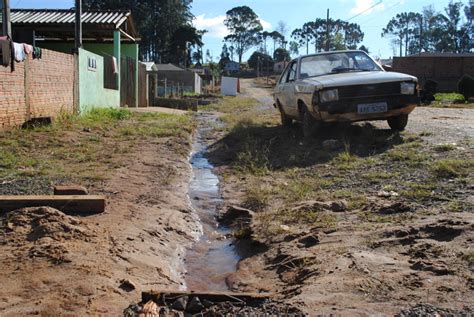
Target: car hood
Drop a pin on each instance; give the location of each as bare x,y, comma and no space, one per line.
357,78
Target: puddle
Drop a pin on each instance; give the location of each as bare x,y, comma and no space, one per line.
213,257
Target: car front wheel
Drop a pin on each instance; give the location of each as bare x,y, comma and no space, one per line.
285,120
398,123
308,123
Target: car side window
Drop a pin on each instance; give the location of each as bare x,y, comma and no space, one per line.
292,72
284,76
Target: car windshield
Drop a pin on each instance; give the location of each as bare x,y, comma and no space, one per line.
335,63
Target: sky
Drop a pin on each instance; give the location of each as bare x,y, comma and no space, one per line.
210,14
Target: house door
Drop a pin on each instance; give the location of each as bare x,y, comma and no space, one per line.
127,82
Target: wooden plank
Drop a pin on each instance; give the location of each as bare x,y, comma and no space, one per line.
82,205
70,190
158,296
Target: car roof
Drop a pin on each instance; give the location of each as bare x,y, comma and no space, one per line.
328,52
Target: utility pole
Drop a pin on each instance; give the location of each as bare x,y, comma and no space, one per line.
327,33
78,31
6,23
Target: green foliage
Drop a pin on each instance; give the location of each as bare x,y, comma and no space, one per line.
432,30
157,23
244,27
281,55
466,87
342,35
261,60
449,168
449,97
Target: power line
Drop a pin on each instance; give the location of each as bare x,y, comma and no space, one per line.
368,9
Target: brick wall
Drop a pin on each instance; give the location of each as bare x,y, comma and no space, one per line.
36,89
446,71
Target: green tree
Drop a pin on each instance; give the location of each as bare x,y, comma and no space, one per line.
156,21
281,55
364,48
294,48
184,38
403,27
243,25
261,61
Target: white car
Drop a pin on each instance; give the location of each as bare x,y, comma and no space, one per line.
343,86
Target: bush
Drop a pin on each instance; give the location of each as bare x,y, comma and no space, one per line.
466,86
266,61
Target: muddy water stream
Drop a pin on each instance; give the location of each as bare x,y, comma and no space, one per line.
213,256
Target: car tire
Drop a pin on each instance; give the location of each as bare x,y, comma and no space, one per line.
308,123
285,120
398,123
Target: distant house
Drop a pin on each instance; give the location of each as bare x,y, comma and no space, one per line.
279,67
173,79
108,59
444,68
232,67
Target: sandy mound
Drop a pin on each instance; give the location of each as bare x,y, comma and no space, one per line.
46,231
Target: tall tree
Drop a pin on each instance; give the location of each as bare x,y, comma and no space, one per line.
156,21
244,26
281,55
184,38
402,27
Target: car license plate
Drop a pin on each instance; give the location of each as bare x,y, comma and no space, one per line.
377,107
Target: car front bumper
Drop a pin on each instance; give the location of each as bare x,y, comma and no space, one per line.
346,110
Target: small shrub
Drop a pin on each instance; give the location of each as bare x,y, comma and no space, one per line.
451,97
466,87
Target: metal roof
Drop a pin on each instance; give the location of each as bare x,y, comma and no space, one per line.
168,67
58,16
49,21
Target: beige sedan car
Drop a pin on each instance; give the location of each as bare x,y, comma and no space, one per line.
343,86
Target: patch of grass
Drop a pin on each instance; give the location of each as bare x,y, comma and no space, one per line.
410,156
457,206
378,176
469,258
257,197
447,147
418,191
346,161
450,97
451,168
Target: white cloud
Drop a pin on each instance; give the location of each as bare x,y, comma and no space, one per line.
365,7
215,25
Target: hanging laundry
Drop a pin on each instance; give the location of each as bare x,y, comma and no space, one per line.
28,49
19,52
37,53
5,52
114,65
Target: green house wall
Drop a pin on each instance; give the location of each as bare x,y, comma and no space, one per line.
92,93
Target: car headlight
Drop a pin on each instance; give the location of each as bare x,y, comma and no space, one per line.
329,95
407,88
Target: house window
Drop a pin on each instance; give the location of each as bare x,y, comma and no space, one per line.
92,64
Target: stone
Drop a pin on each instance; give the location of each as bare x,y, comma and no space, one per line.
194,306
127,285
70,190
180,304
339,206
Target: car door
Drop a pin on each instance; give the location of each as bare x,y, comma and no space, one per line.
279,87
289,92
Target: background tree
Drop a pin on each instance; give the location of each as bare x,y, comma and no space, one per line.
364,48
261,61
277,38
294,48
281,55
243,25
184,38
156,21
225,56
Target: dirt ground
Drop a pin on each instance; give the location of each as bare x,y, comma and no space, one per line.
371,223
357,221
58,265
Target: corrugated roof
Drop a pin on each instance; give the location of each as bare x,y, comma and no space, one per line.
58,16
168,67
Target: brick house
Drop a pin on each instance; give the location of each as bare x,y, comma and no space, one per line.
103,73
